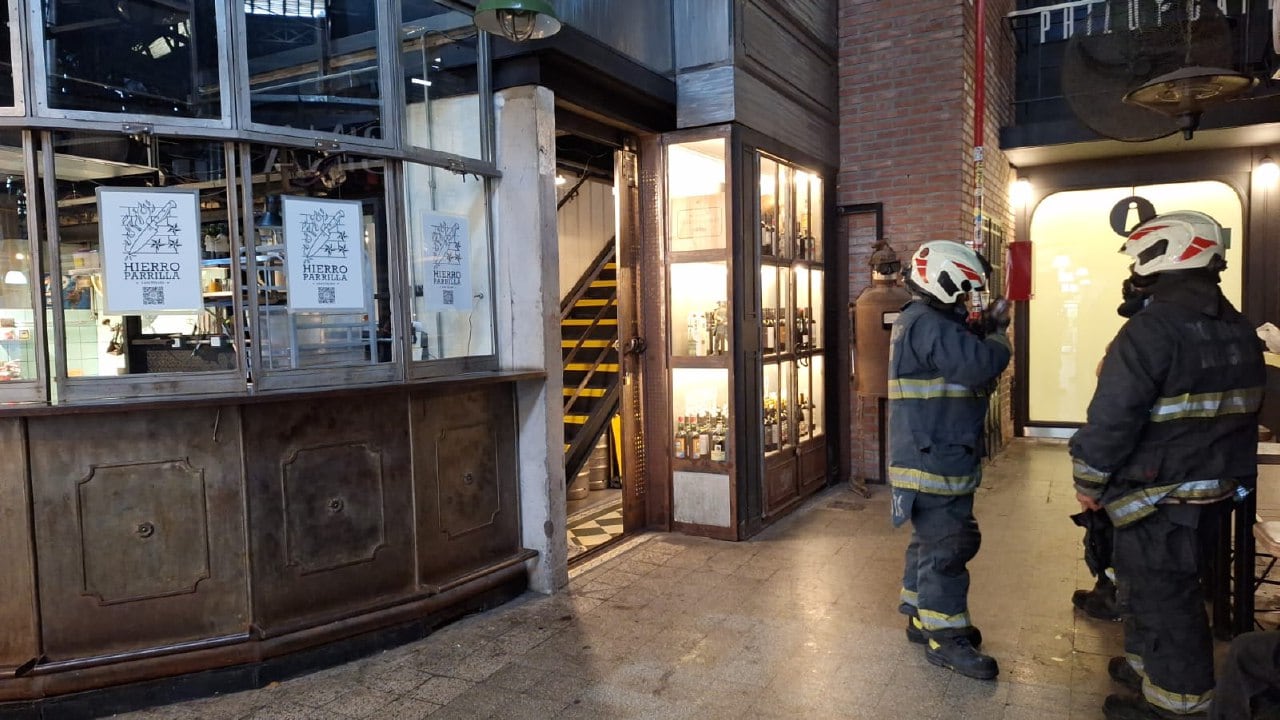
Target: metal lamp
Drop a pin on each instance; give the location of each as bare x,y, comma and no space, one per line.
1185,93
517,20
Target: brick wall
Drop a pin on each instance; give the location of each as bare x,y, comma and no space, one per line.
906,134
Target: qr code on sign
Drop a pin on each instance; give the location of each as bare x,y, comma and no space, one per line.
153,295
448,296
327,295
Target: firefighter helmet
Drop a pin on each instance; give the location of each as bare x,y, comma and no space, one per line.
1183,240
946,271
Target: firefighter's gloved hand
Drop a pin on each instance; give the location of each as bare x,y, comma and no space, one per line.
995,319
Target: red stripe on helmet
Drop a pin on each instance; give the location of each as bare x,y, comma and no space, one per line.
921,266
1197,246
969,272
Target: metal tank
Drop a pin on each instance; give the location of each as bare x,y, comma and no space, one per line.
874,312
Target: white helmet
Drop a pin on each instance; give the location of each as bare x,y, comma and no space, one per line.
946,270
1183,240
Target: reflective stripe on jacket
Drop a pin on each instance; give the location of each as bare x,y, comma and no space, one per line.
939,375
1174,417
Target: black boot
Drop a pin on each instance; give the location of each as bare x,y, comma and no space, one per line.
1100,602
915,632
1129,707
1123,673
957,653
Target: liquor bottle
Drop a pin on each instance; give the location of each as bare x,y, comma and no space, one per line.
704,432
770,332
720,333
718,450
783,339
694,441
770,425
680,439
766,242
802,418
783,426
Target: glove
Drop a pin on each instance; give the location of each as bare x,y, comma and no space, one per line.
1132,299
996,318
1270,335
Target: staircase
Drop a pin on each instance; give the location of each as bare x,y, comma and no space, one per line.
589,348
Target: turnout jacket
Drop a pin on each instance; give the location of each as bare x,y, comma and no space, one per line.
1174,418
940,375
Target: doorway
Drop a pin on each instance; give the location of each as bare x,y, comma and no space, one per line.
595,184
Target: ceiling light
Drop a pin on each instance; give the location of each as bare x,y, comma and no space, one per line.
1185,93
517,20
560,180
15,277
19,256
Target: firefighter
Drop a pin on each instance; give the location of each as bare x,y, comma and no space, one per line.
1100,603
1171,433
941,371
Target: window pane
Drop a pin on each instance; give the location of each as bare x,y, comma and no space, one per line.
102,343
314,65
695,180
449,264
6,59
438,49
344,247
133,57
17,329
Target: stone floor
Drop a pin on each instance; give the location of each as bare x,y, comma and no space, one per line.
801,621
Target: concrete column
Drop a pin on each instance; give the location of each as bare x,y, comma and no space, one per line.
528,317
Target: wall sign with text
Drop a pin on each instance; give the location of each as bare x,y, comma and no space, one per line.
448,262
150,250
324,255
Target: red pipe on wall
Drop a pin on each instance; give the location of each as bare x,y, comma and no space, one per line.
980,81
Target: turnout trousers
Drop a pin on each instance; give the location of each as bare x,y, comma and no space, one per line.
935,578
1166,629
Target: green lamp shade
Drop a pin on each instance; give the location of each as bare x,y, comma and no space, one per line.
517,20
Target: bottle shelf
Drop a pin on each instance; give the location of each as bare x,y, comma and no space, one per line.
708,362
702,465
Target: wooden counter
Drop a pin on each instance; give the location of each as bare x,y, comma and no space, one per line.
148,539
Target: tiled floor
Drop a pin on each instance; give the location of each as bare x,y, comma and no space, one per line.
595,529
800,622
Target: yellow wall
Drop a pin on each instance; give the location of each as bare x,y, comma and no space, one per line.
1076,284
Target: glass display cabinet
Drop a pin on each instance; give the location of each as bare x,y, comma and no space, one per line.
745,347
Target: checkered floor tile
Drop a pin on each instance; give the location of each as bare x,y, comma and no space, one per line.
595,530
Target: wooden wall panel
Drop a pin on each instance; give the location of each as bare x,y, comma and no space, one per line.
465,484
330,521
139,527
19,633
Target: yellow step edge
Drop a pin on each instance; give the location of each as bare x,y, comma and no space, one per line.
611,266
585,392
583,367
576,419
586,343
604,283
584,322
595,302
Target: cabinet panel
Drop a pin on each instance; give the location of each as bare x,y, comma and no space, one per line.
333,506
780,481
329,498
139,529
150,518
465,481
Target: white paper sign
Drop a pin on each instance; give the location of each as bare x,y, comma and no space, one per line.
324,255
150,250
447,274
